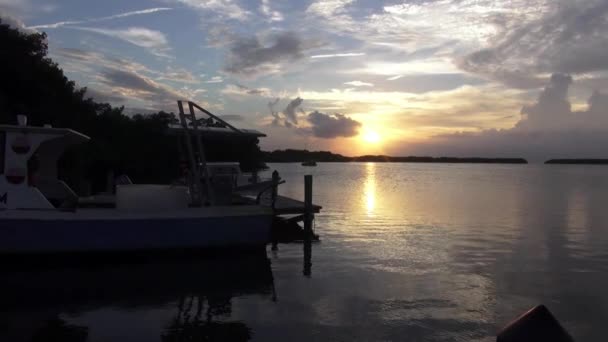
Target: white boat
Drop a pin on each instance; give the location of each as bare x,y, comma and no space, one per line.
40,214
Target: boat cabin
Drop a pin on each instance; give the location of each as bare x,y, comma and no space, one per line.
28,170
28,166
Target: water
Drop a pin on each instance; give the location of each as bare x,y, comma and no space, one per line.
409,252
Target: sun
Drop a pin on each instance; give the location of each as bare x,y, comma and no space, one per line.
371,137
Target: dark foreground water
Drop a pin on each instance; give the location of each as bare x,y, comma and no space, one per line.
410,252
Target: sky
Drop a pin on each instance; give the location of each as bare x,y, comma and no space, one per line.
512,78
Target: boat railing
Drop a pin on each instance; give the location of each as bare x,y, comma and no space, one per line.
274,186
273,196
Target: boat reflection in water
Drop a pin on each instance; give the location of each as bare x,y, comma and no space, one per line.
188,300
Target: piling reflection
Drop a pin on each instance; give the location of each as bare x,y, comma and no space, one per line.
193,297
307,258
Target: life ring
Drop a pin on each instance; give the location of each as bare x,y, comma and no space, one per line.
21,144
15,175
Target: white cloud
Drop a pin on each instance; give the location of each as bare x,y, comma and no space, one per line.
225,8
271,14
548,128
349,54
180,75
328,8
215,79
153,41
359,84
394,78
570,37
416,67
115,16
15,23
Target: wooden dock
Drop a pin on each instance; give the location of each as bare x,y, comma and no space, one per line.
284,205
289,206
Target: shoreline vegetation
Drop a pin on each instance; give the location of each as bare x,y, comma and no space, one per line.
578,161
298,156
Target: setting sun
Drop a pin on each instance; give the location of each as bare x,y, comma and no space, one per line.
371,137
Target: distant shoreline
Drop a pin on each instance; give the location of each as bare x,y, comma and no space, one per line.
298,156
577,161
436,161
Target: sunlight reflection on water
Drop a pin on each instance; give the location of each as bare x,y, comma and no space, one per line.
370,189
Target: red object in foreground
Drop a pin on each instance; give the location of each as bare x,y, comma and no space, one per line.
538,324
21,145
15,175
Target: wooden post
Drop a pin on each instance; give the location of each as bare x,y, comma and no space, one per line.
308,211
273,198
308,217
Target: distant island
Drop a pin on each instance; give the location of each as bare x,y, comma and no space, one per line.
297,156
578,161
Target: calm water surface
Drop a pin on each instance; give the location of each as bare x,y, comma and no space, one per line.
409,252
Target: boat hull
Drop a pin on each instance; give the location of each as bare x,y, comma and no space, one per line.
132,233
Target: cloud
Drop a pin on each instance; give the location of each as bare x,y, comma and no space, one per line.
103,96
239,89
394,78
548,128
271,14
349,54
570,38
250,56
327,8
87,62
180,75
552,109
432,65
225,8
332,125
131,85
151,40
289,116
115,16
359,84
15,23
320,125
292,110
275,114
215,79
131,80
124,82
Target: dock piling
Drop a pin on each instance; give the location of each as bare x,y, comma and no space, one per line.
308,209
308,217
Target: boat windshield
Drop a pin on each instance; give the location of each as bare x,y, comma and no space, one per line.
2,145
